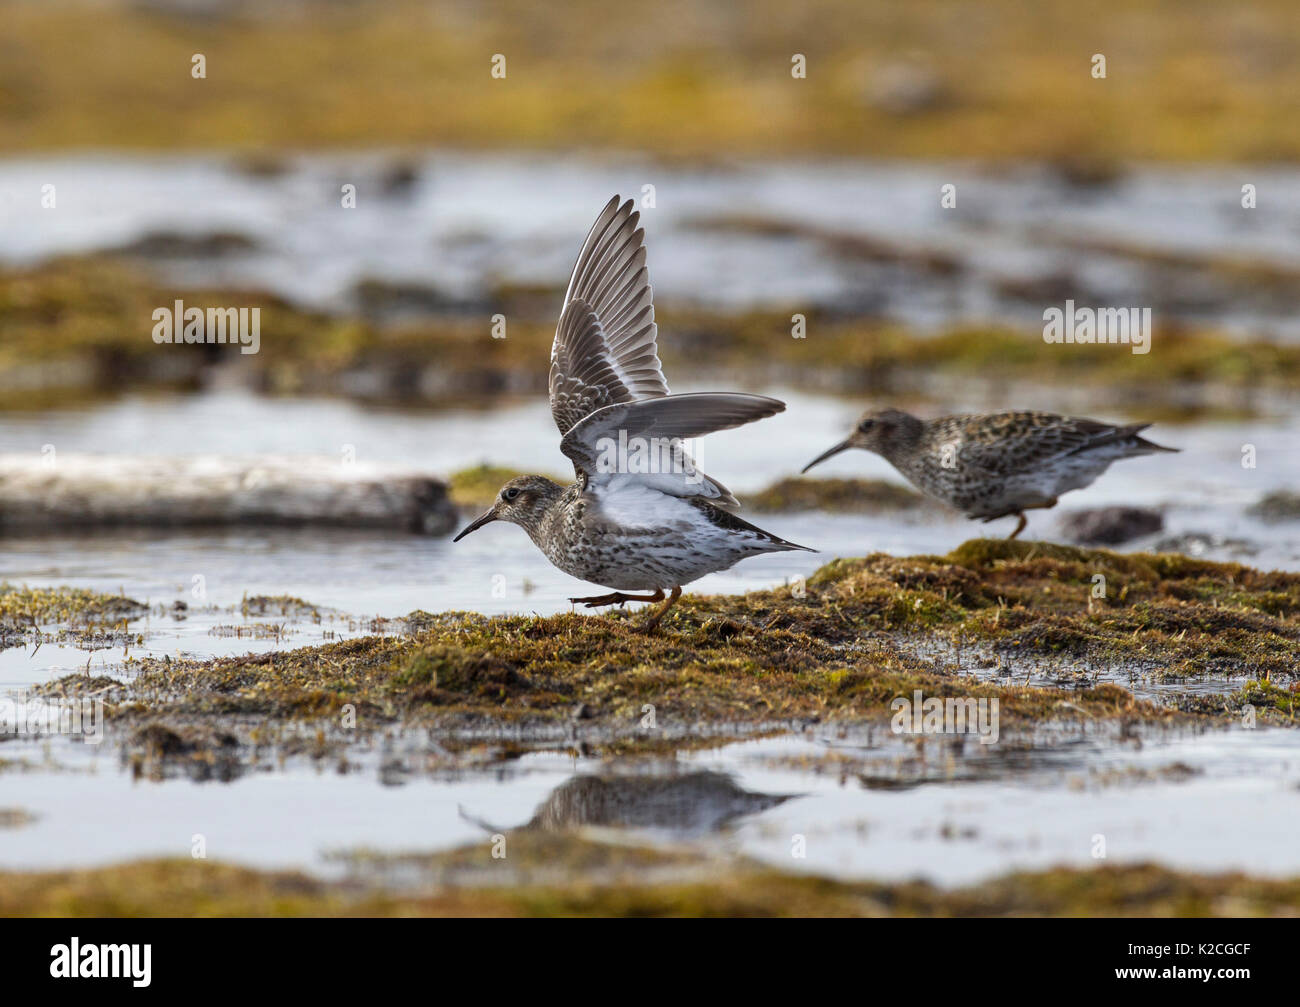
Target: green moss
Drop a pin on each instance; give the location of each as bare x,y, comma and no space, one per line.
72,329
850,496
22,607
1270,696
477,488
597,882
763,669
437,672
858,634
280,604
73,326
843,649
561,89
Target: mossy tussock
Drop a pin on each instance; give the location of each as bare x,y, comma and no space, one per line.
1173,614
1275,702
760,668
844,496
23,607
279,604
841,650
186,887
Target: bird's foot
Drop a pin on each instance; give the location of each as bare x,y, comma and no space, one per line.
1020,526
655,619
616,598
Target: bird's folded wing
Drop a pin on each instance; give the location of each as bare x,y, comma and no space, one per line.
1022,441
642,440
605,350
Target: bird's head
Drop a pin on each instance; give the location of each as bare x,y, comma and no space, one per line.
878,430
523,501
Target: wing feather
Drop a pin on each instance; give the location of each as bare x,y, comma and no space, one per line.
605,445
606,345
1006,444
606,376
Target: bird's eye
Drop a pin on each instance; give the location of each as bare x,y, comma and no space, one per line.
866,425
510,494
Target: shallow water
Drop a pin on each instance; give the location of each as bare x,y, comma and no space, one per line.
1222,800
470,220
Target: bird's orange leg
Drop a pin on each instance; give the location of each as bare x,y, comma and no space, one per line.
617,598
653,624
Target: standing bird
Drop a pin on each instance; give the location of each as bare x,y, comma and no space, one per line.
995,464
641,516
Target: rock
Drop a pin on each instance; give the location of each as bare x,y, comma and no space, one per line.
1110,525
174,245
1203,543
1283,505
399,178
85,491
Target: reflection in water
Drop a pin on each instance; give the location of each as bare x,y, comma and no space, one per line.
684,804
1186,798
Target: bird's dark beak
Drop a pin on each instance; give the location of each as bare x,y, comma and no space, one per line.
842,446
477,523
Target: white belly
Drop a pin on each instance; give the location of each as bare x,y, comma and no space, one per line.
635,538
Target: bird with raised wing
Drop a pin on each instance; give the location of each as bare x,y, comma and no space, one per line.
995,465
641,515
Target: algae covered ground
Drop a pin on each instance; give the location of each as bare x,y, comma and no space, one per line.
841,645
88,618
78,329
189,888
22,606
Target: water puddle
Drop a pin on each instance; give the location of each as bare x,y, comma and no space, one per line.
860,802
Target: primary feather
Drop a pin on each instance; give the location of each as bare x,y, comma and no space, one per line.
606,351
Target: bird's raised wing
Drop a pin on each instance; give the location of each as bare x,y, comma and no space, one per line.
642,441
605,349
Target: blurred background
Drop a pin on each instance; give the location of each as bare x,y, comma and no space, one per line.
383,180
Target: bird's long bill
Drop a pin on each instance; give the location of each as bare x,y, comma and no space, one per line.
842,446
476,524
